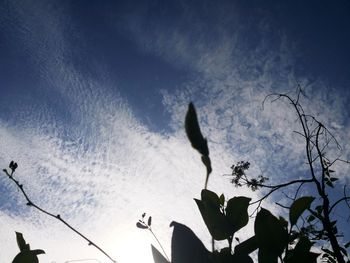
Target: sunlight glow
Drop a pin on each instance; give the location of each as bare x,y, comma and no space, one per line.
133,246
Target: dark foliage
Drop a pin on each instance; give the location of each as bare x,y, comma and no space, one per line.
275,239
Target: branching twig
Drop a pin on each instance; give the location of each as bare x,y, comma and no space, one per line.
58,217
142,224
312,133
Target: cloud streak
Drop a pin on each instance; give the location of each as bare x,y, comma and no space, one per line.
83,154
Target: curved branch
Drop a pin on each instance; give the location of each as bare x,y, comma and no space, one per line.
345,198
277,187
58,217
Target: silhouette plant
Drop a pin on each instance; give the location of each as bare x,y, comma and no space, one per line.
275,239
142,224
13,166
26,255
320,225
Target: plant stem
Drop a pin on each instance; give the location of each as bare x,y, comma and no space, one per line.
150,229
58,217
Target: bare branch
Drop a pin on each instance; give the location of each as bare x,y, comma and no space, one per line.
58,217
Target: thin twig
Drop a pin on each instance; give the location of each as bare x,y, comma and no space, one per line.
150,229
58,217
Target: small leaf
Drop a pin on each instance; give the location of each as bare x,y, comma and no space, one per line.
237,212
149,222
298,207
21,242
193,131
330,184
222,199
142,226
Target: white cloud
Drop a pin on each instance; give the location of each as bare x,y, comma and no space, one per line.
104,170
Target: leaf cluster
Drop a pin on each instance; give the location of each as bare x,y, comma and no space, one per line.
275,239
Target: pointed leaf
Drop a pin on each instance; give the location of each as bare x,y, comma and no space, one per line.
149,222
214,220
186,246
271,234
298,207
330,184
193,131
142,226
21,242
213,217
157,256
237,212
211,198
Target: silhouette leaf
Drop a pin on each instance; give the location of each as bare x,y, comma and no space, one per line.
139,225
298,207
272,236
186,247
237,212
21,242
157,256
214,219
149,222
28,256
247,246
301,252
193,131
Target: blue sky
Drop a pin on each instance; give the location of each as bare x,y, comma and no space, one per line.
93,98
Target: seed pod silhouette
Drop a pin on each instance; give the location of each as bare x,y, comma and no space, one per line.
196,138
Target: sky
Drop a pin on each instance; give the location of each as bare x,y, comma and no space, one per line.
93,99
